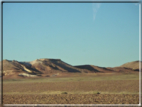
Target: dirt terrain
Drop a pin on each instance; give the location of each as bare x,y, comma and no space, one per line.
72,99
73,86
75,89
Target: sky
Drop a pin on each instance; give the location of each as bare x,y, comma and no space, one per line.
101,34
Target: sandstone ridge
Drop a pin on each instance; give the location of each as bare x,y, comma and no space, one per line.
53,67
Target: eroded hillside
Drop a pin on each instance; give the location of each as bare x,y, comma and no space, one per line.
53,67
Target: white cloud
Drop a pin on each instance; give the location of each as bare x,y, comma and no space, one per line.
96,6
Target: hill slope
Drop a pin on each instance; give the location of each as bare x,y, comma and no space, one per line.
94,69
44,67
38,67
133,65
52,65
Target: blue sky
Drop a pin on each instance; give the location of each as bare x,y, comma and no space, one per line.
103,34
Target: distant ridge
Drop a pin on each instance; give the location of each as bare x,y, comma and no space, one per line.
93,68
47,67
133,65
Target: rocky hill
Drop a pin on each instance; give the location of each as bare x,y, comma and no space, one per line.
94,69
38,67
133,65
50,67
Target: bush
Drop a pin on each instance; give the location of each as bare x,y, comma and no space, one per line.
98,92
64,93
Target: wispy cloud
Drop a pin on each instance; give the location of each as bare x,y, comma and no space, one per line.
96,6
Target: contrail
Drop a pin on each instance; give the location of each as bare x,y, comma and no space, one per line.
96,6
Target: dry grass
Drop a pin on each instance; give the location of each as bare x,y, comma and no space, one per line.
112,89
104,86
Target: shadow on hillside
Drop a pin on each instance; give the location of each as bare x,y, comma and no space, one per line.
66,66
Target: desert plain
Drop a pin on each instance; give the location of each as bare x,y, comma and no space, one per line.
55,82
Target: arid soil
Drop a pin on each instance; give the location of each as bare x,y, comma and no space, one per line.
72,99
115,86
73,91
